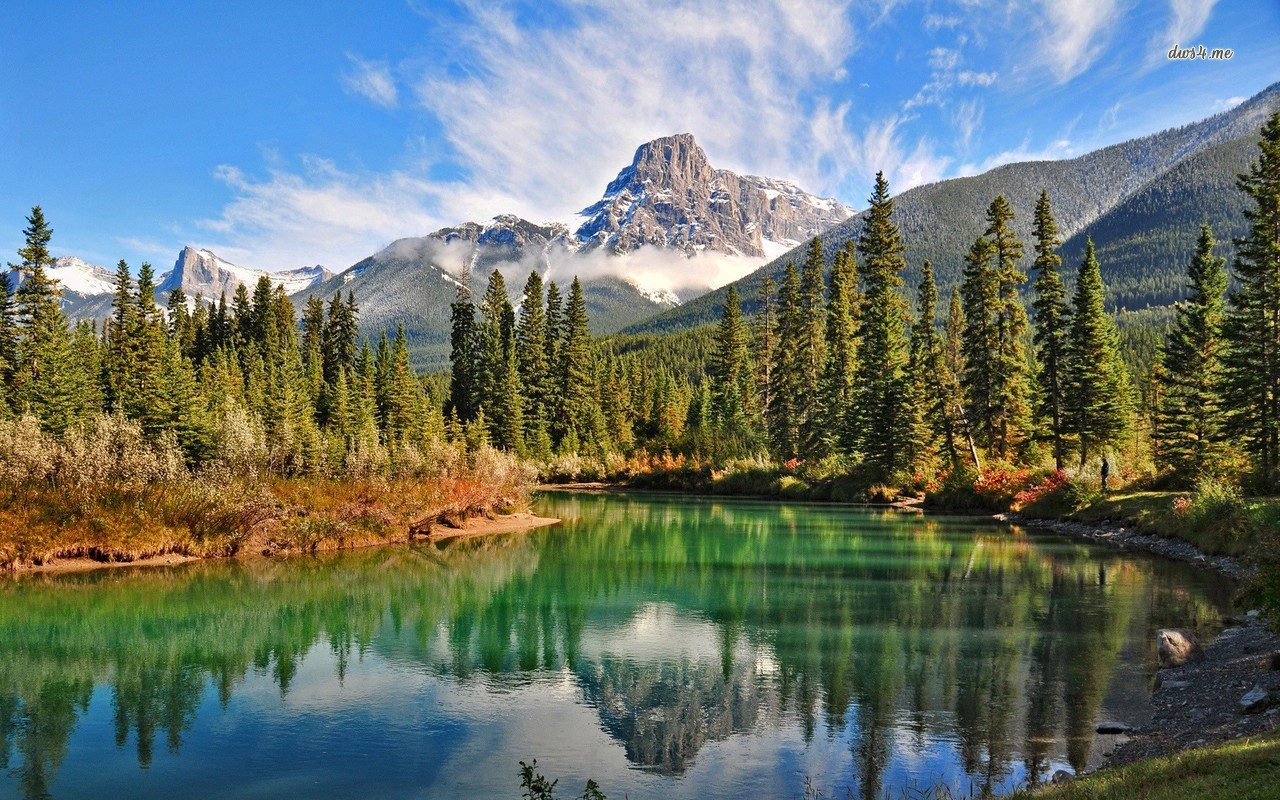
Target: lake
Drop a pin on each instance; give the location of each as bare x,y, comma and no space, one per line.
664,646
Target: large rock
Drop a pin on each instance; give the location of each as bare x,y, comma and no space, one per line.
1177,646
1255,700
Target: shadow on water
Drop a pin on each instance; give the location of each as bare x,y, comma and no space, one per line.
913,642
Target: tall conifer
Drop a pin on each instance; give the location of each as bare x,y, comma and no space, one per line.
883,358
1052,328
1191,417
1097,397
1252,363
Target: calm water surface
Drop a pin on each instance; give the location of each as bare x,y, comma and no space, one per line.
667,647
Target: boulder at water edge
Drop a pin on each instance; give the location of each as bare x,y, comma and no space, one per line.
1177,646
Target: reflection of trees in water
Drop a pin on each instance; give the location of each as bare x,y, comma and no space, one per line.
158,638
897,629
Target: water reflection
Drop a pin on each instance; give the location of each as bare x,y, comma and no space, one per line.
985,653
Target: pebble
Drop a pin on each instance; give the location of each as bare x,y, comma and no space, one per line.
1255,700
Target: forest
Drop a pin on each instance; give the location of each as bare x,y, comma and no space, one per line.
844,384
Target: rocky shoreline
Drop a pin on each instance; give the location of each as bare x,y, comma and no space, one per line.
1232,691
1129,539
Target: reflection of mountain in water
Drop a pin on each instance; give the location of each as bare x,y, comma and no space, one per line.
680,623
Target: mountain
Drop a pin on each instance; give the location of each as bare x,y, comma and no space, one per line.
671,197
1141,201
664,231
202,272
86,288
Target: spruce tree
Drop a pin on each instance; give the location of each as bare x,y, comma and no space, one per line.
730,371
577,418
1009,386
46,379
1097,396
883,359
8,344
1252,329
1052,327
925,408
844,311
533,367
786,376
812,353
763,339
463,361
1191,416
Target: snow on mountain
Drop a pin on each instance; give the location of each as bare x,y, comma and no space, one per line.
79,277
203,272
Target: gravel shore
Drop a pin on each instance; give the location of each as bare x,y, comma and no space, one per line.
1233,691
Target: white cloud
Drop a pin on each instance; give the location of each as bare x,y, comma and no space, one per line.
1054,151
372,80
970,78
1226,103
881,148
539,117
966,119
549,114
322,215
1073,34
1189,18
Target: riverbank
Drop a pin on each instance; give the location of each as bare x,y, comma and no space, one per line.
474,527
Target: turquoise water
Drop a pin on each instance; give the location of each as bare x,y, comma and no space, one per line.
664,646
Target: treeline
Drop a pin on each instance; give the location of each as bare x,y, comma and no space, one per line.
840,369
242,383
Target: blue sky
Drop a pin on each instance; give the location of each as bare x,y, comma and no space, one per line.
288,133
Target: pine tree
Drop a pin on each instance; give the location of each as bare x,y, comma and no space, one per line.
844,312
786,376
577,417
463,360
1097,397
1191,417
925,406
8,344
119,358
883,358
1252,329
1010,383
497,380
951,368
1053,324
45,378
534,369
729,375
763,338
812,353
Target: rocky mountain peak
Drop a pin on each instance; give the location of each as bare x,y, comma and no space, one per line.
667,162
671,197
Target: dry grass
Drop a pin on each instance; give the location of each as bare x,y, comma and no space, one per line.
106,494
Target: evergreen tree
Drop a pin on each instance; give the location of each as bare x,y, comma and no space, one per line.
844,311
463,357
951,368
995,379
812,354
729,375
46,375
1053,323
786,377
1097,397
555,325
883,358
577,418
925,408
497,378
533,366
8,344
1191,415
763,337
1252,330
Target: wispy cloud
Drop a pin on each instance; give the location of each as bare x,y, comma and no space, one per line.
883,147
1187,20
321,214
1073,34
372,80
537,117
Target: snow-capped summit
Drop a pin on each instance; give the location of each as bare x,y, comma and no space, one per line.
77,276
203,272
670,196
